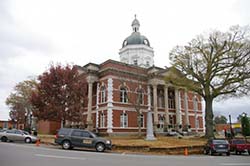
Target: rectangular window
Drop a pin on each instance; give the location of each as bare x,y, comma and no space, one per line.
103,94
142,120
197,123
123,95
140,96
135,62
102,120
171,103
123,120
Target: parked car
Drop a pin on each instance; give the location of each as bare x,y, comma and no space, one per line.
17,135
218,146
69,138
239,146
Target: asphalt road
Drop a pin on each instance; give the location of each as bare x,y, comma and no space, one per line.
12,154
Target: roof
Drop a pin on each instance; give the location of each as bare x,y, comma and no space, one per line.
136,38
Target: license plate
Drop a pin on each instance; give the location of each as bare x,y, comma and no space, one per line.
221,146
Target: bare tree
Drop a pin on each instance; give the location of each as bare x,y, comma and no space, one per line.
135,96
19,102
212,66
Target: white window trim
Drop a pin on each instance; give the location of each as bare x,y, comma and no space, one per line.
123,120
102,120
103,94
123,99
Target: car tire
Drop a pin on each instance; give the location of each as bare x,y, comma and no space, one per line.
228,153
100,147
4,139
27,140
66,145
249,152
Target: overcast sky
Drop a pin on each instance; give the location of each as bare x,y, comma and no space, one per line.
35,33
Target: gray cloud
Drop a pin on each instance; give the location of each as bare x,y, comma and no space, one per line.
16,42
14,37
233,107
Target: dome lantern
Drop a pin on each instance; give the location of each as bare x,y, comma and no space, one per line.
135,25
136,48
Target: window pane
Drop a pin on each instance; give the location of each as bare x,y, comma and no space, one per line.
85,134
142,120
76,133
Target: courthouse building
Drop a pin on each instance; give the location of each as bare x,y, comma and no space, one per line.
119,91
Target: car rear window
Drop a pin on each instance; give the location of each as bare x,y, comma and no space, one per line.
239,141
220,142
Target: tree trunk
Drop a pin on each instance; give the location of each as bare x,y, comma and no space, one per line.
139,125
209,117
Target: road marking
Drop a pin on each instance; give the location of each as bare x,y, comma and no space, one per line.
235,164
60,157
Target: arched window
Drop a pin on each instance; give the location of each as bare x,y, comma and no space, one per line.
123,95
135,62
171,100
140,95
103,94
124,120
102,120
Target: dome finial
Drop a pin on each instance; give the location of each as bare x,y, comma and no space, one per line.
135,25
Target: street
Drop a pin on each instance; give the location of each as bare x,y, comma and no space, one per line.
13,154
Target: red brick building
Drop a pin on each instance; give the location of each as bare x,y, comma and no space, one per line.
116,89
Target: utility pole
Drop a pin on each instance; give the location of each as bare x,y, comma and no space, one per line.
231,130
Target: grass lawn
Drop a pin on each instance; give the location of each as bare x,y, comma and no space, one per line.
161,142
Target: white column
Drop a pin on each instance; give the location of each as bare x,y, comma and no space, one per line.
149,99
97,106
166,106
155,106
89,116
150,134
110,106
186,108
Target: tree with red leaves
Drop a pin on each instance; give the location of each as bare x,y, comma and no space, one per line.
60,95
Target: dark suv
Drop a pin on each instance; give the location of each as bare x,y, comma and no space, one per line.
69,138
